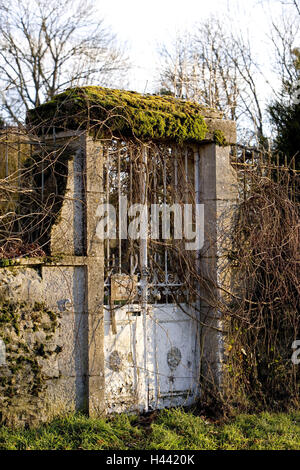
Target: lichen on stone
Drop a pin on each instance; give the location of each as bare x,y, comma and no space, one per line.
27,330
106,111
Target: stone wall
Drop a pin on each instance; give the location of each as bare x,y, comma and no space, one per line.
44,326
69,286
52,309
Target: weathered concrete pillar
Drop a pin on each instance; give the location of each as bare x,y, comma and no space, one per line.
74,239
218,193
95,278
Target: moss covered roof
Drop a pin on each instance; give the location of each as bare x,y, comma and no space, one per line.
125,113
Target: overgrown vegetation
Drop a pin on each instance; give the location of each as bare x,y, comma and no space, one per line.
262,316
170,430
31,192
123,113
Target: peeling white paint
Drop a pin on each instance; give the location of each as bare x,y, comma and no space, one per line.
151,369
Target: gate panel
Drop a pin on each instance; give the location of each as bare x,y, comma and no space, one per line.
124,368
172,356
151,333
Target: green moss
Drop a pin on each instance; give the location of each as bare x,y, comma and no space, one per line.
22,376
9,314
9,263
219,138
54,258
127,113
4,262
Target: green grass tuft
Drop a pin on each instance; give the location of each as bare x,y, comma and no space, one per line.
171,430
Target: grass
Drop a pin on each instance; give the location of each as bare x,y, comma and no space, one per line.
171,430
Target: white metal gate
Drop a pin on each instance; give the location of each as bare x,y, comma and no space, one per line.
151,319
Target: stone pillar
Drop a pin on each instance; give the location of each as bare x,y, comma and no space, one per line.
74,239
95,278
218,193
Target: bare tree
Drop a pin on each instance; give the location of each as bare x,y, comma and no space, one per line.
250,101
48,45
293,3
285,37
215,67
196,68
